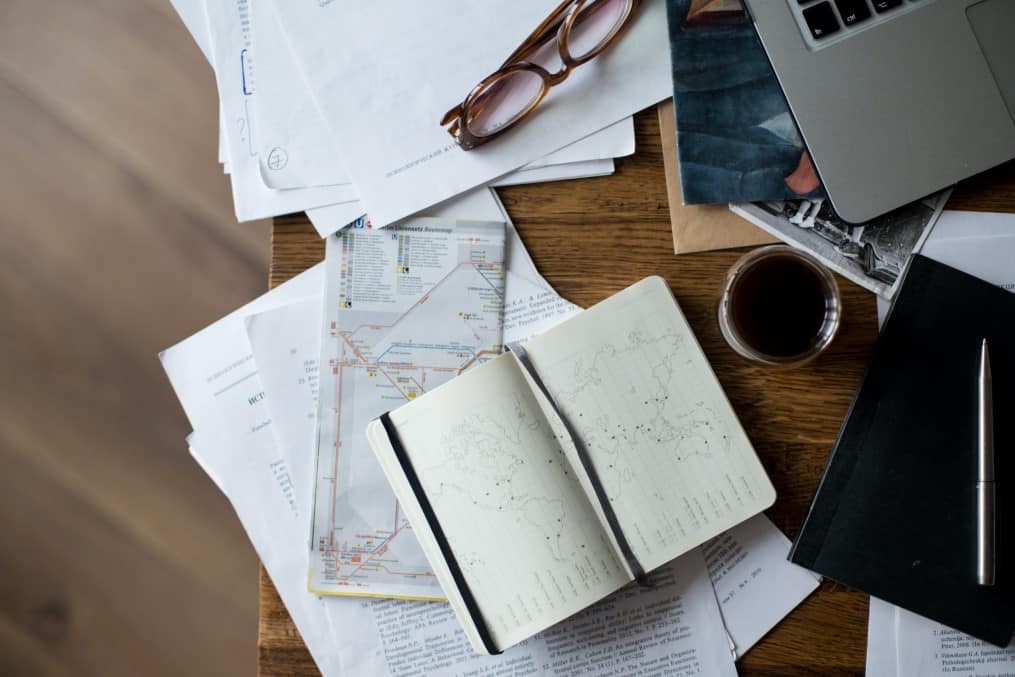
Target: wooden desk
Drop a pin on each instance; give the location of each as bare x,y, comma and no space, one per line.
593,237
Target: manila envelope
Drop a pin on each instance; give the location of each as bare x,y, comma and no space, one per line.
699,228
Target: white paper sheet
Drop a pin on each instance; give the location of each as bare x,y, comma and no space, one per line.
295,149
274,534
956,224
929,649
398,156
978,243
232,48
609,143
531,309
216,381
572,170
755,585
673,628
205,368
881,644
285,343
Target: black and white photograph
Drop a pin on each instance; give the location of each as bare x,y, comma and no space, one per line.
873,253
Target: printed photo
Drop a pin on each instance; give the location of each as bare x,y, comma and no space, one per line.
736,139
872,254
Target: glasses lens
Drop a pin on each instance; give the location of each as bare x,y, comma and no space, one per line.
504,101
596,24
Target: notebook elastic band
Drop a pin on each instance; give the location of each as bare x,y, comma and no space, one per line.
442,541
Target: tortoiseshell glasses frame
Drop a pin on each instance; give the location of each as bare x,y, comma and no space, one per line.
510,95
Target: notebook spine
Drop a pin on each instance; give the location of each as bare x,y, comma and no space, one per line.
604,500
442,541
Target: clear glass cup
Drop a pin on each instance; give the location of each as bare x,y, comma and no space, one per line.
780,306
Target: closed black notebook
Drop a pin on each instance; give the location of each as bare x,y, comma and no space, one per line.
895,512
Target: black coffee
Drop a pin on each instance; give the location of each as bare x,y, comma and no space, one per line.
777,305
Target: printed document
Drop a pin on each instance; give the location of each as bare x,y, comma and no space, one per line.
216,381
903,644
754,582
286,344
296,150
531,309
672,628
384,101
929,649
232,48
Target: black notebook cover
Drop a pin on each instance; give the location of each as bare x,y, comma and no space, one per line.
895,512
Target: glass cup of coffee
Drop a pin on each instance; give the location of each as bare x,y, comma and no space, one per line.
780,306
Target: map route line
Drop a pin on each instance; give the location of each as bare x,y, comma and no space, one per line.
383,544
418,346
476,358
352,347
485,279
337,445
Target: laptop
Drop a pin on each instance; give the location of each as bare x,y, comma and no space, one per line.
895,99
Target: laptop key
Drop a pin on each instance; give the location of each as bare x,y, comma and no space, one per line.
853,11
885,5
821,20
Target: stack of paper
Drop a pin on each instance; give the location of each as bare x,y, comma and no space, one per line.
334,109
902,644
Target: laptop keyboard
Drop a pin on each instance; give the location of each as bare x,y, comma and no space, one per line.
824,21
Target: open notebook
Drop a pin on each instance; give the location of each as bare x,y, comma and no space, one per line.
547,478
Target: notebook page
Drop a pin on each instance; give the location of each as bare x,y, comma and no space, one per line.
521,528
675,462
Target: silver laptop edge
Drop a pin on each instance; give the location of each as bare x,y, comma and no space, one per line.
902,107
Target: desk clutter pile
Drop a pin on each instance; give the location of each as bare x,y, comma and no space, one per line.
545,479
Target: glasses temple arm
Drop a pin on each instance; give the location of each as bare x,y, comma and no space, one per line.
543,34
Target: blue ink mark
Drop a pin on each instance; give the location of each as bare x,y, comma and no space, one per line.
243,72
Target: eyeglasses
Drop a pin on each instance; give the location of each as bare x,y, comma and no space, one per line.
576,32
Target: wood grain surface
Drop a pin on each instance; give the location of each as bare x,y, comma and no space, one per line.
591,238
118,557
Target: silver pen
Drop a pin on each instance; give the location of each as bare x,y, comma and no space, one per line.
985,504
